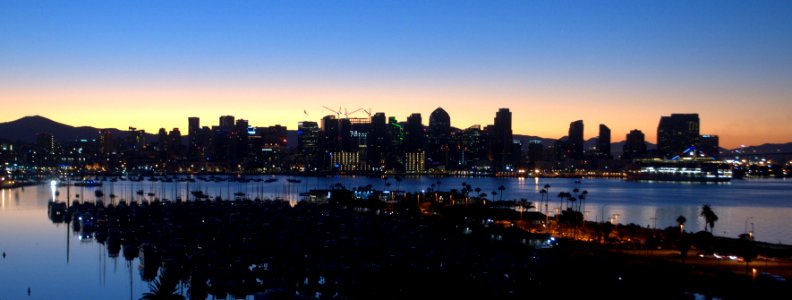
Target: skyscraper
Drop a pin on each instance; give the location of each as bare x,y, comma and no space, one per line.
604,142
575,142
439,138
105,141
193,126
635,145
676,133
501,140
378,141
308,144
414,134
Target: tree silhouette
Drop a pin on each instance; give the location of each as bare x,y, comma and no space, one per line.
709,217
501,189
681,220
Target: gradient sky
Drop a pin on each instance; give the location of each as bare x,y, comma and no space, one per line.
151,64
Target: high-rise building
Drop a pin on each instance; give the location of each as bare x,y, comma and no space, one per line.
501,140
308,135
535,151
226,122
414,134
439,138
676,133
162,140
473,146
47,142
394,156
575,142
604,142
414,162
135,140
634,145
174,142
378,141
105,141
193,126
709,146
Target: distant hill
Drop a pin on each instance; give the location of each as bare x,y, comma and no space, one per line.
26,129
771,151
616,148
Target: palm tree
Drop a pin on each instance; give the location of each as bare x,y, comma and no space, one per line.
524,204
163,288
583,195
681,220
501,189
709,217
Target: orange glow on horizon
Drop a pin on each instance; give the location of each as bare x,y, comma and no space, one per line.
538,112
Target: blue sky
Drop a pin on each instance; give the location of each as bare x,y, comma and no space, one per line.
710,57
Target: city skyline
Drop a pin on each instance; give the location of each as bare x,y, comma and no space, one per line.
623,64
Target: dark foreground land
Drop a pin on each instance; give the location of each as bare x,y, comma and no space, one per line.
345,249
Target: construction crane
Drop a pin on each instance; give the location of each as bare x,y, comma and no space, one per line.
344,111
368,112
337,112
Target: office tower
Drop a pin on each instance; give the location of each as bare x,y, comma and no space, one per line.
378,141
604,142
414,134
473,146
193,126
308,135
634,145
676,133
708,145
46,141
535,151
105,141
439,138
501,140
394,156
162,140
174,142
575,141
226,122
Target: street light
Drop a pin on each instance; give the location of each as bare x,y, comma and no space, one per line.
746,224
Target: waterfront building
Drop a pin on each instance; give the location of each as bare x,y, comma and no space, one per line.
676,133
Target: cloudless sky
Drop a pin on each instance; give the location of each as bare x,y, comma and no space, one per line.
152,64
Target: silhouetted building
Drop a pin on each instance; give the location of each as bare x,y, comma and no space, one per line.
174,142
46,141
604,142
535,152
439,138
501,140
709,146
575,141
394,157
105,141
226,122
676,133
193,126
135,140
378,141
308,135
162,140
473,146
414,134
330,139
634,145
